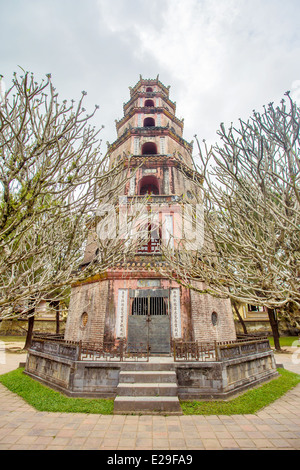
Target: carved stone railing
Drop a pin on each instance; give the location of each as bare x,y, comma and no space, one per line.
115,351
242,348
119,350
56,346
218,351
194,351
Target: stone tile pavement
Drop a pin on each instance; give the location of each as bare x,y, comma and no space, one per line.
276,427
22,427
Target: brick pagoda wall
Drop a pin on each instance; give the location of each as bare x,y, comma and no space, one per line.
202,308
90,299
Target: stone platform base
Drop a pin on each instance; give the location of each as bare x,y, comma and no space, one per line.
183,380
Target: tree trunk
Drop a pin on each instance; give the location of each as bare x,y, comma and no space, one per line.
240,318
274,326
30,330
55,305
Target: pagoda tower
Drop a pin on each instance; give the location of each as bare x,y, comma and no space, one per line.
133,300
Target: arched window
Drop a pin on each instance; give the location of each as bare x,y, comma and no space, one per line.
149,189
149,185
214,318
83,320
151,239
149,148
149,122
149,103
149,89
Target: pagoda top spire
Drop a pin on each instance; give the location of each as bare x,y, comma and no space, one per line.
151,82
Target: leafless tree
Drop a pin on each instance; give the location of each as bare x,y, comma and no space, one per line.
53,179
251,197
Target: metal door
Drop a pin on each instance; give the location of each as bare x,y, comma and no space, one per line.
159,334
149,322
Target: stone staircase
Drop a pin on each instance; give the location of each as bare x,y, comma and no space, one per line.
147,388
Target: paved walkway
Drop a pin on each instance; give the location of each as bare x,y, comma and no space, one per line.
22,427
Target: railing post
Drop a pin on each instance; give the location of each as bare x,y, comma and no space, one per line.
217,352
79,350
121,350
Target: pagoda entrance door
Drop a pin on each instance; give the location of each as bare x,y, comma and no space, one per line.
149,322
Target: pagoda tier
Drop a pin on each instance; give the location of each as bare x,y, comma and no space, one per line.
147,116
149,126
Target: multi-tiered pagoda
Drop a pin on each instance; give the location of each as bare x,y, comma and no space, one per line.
132,301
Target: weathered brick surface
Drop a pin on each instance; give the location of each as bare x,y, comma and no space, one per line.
202,307
91,299
99,301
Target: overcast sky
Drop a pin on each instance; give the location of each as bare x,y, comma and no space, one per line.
222,58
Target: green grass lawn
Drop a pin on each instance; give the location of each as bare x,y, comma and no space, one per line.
249,402
13,339
45,399
285,341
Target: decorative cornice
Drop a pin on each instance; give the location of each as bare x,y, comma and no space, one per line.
127,270
145,110
147,131
153,95
159,160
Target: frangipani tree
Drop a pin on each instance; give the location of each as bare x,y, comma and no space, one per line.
251,213
52,179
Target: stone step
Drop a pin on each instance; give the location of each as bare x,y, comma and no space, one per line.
147,389
147,404
148,366
147,376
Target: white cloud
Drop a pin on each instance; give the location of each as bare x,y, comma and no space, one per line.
128,15
223,58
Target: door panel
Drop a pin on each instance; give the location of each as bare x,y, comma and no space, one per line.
153,330
137,329
159,334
